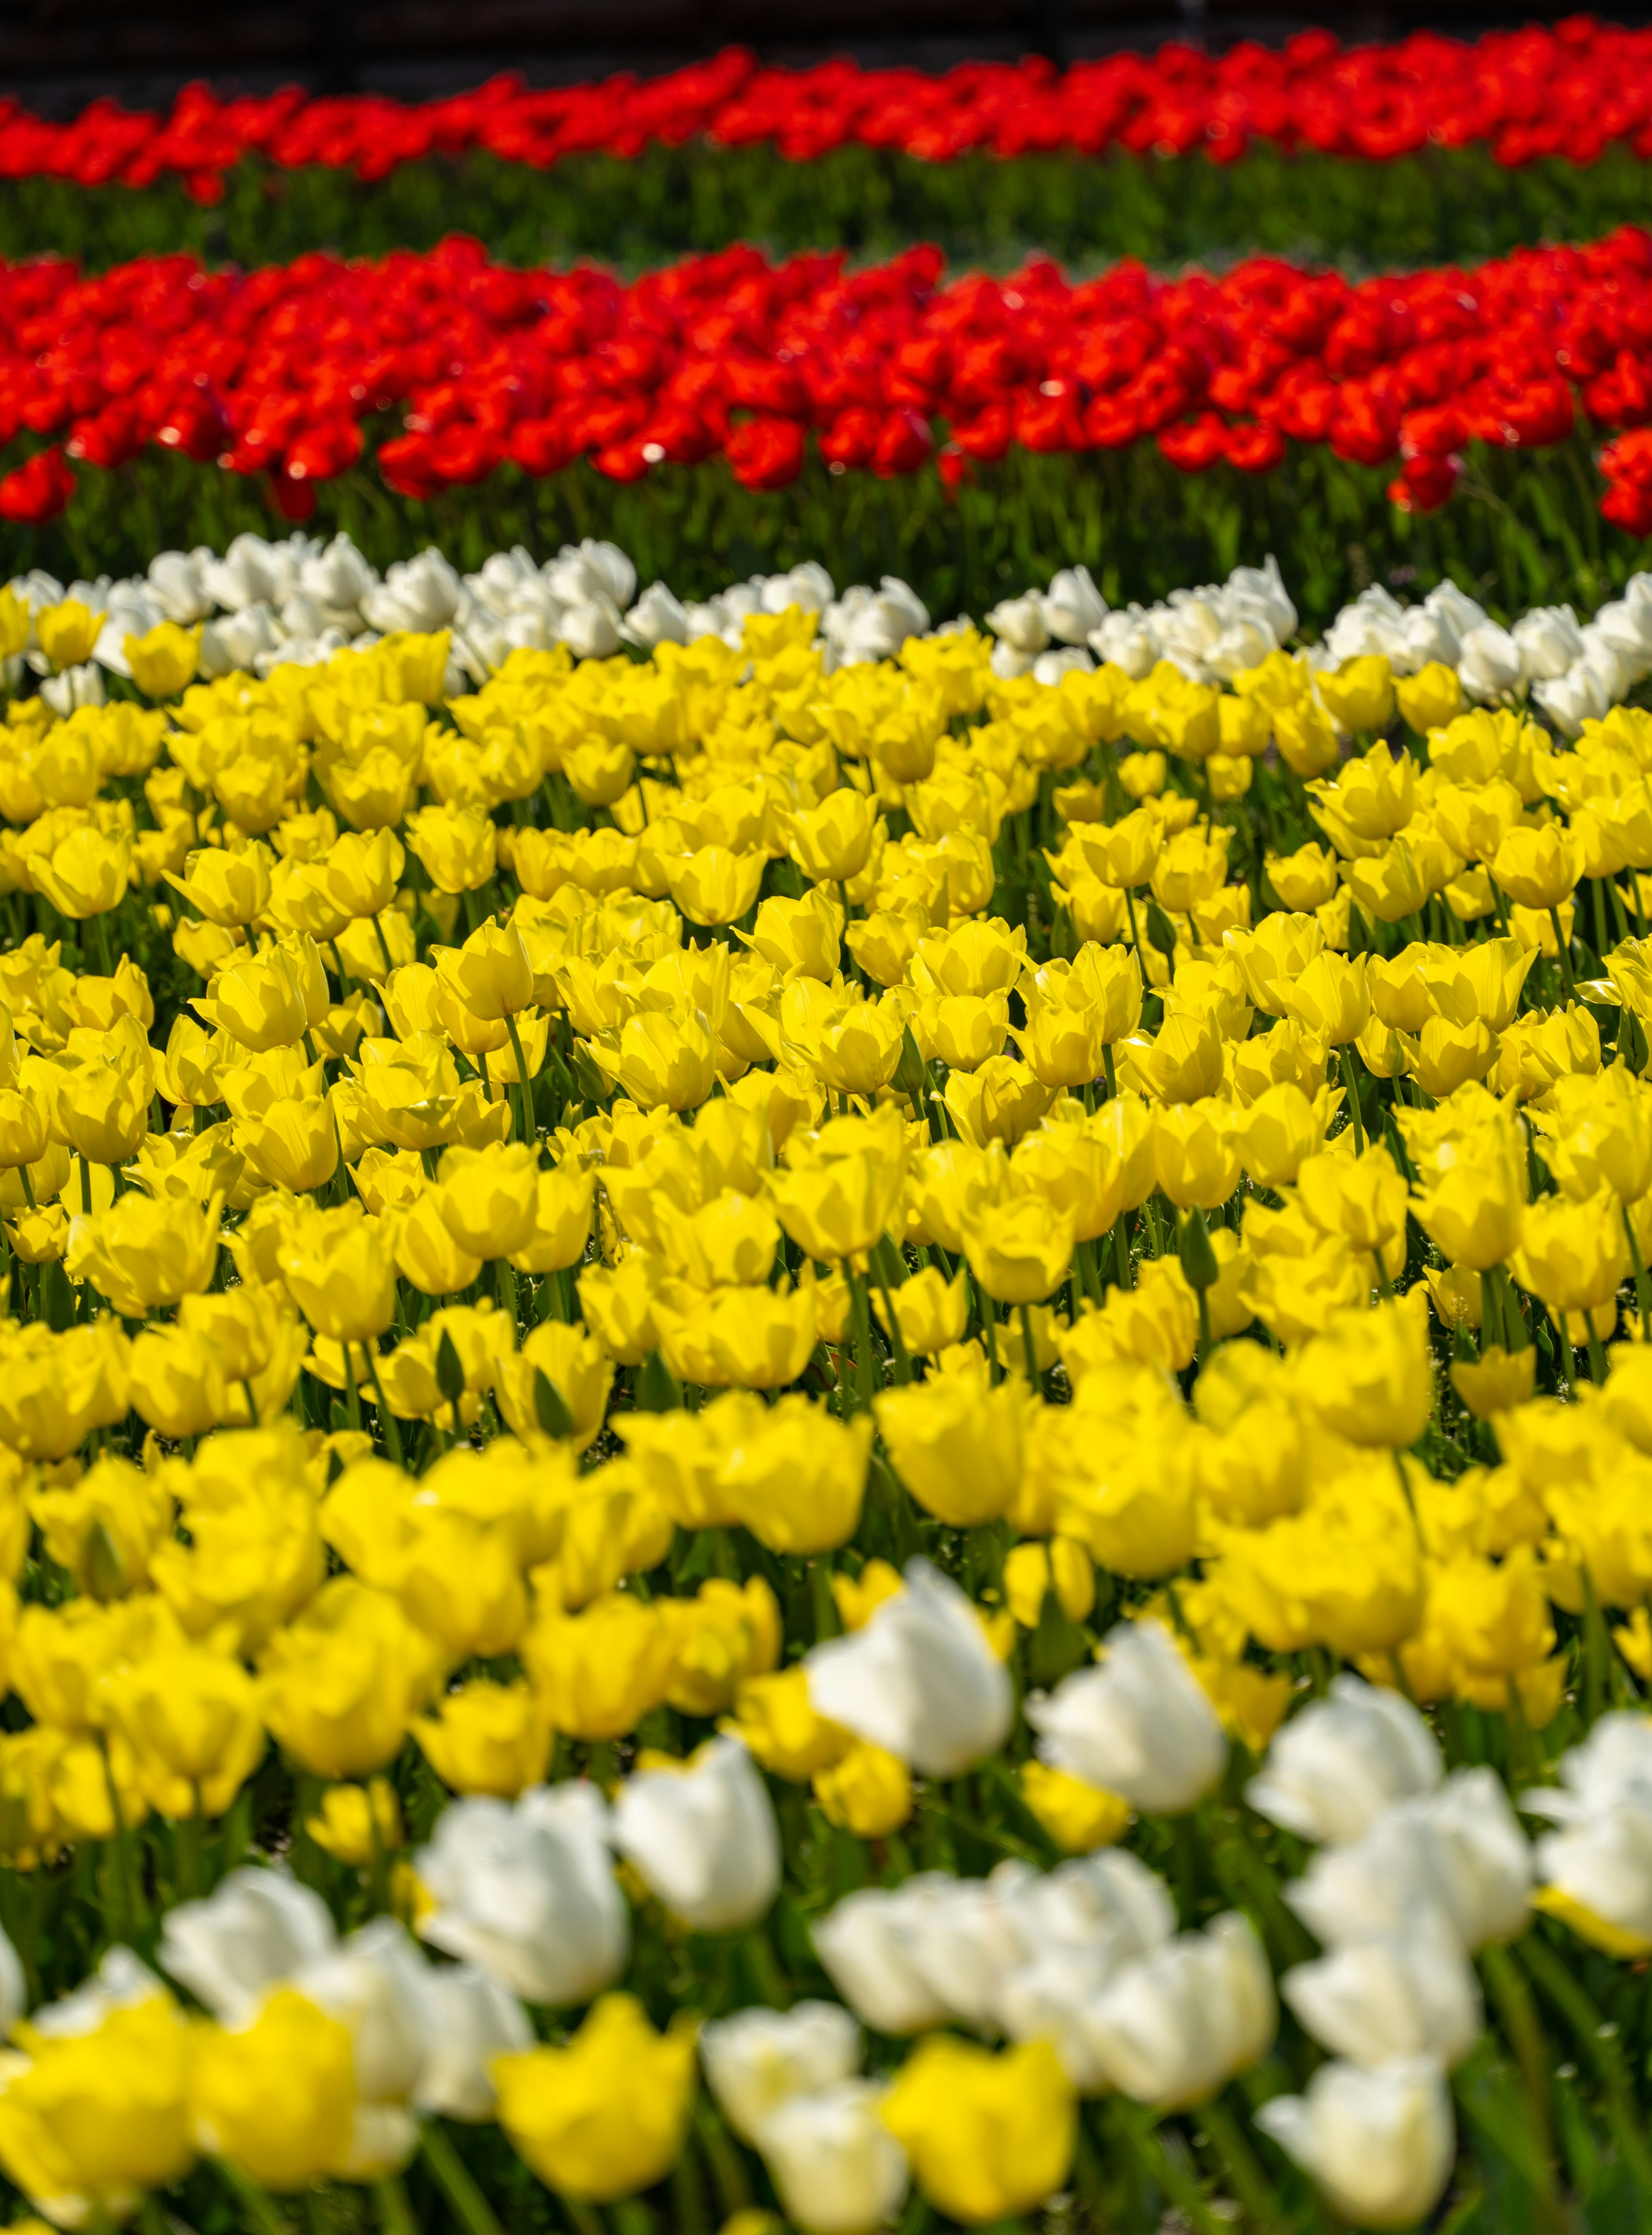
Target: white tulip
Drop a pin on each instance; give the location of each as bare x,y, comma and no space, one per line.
920,1679
1380,2144
1242,644
1489,665
1081,1932
704,1838
1263,588
1332,1770
374,1983
963,1938
252,572
1613,1766
867,625
836,2168
74,688
865,1944
13,1992
758,2058
421,594
256,1927
122,1982
337,576
1604,1864
1129,640
591,570
1411,1994
178,578
1176,2025
1580,695
1626,624
133,609
806,585
1550,640
1073,606
591,630
528,1892
236,640
1373,625
1138,1725
1458,1853
473,2018
1072,660
656,619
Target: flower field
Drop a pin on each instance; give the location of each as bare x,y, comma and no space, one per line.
826,1156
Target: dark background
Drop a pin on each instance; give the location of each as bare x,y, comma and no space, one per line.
56,54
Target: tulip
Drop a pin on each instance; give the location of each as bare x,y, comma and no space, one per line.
342,1684
989,2135
835,2166
275,2096
1368,1376
267,1000
486,1198
490,976
1407,1994
930,1311
356,1823
491,1739
758,2059
919,1679
867,1792
1018,1250
1177,2024
1538,867
956,1445
99,2113
294,1144
528,1892
101,1109
1138,1725
599,1672
455,844
1329,998
1332,1769
702,1838
795,1478
608,2114
1380,2144
340,1275
191,1720
471,2018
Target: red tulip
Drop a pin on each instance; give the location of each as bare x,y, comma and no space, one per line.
38,492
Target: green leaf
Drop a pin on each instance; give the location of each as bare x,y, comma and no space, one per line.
550,1407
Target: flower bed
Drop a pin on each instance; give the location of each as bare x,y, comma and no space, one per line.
623,1268
873,373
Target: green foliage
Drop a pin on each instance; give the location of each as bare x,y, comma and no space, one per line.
1441,204
1522,529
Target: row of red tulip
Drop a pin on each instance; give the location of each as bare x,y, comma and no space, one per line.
284,370
1570,90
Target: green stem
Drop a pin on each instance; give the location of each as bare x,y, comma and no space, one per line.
1350,1081
1250,2184
524,1092
1029,1348
1561,949
1524,2029
451,2175
256,2203
387,1421
395,2212
1642,1286
1599,2044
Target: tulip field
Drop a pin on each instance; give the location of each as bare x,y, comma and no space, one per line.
826,1152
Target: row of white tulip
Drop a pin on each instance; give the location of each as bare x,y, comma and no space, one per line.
265,603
